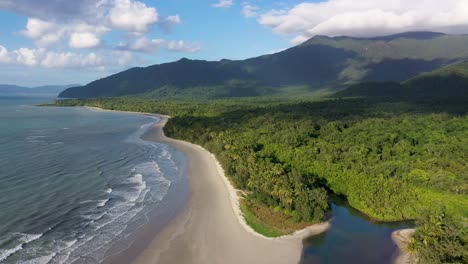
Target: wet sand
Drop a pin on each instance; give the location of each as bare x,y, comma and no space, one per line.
210,229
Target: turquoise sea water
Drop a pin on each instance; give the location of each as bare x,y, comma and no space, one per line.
75,183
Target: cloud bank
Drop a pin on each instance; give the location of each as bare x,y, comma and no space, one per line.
363,18
49,59
70,34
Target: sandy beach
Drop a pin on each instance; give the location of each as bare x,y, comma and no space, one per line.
402,238
210,229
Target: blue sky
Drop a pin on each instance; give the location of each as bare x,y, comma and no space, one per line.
63,41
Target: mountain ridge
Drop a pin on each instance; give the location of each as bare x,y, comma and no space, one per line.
16,90
317,63
448,81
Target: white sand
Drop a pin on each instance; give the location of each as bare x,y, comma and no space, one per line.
211,229
401,238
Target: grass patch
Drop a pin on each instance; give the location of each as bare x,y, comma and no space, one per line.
268,221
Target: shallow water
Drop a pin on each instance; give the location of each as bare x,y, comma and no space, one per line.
75,183
353,238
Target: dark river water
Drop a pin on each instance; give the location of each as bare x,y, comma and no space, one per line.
353,238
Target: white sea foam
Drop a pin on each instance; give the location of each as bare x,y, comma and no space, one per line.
136,136
24,239
102,203
112,214
70,243
41,260
5,253
87,201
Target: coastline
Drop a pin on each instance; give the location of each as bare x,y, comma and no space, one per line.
211,228
401,238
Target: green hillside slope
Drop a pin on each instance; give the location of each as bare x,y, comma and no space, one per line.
317,63
449,81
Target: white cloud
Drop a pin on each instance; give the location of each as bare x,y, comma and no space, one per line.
148,46
127,15
35,28
29,57
143,45
181,46
70,60
42,32
167,24
81,35
85,36
249,10
299,39
123,57
368,18
223,4
50,59
83,40
83,25
4,55
132,16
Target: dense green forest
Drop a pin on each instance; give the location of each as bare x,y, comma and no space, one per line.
317,63
394,150
391,159
449,81
440,239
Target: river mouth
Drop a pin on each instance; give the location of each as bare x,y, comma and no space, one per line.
353,238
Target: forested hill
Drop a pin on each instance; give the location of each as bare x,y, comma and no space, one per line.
449,81
317,63
46,90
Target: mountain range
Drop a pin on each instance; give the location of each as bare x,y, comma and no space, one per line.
46,90
321,62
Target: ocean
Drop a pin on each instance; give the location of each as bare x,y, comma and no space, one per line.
77,184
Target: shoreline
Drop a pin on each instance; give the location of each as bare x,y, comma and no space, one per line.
204,243
152,253
401,238
187,238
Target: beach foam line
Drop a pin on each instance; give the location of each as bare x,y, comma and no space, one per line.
234,197
25,239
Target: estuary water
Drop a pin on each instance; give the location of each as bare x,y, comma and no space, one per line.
353,238
75,184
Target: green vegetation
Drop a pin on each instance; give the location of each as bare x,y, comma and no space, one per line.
271,222
391,159
317,63
450,81
258,225
440,239
394,150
